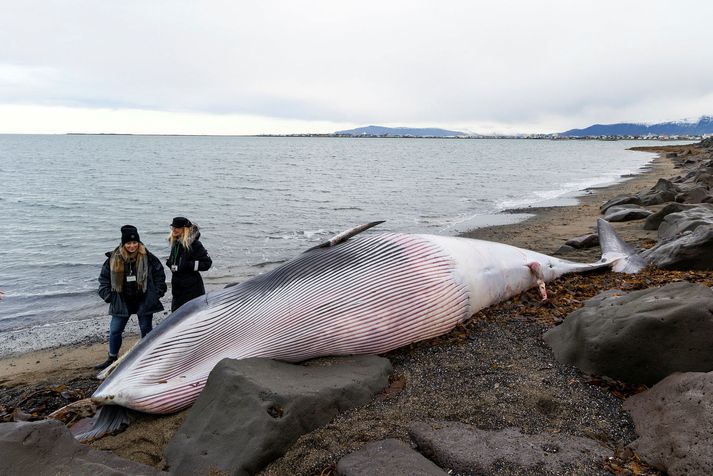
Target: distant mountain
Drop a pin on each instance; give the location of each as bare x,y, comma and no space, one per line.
703,126
399,132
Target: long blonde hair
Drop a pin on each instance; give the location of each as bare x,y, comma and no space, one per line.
116,266
183,238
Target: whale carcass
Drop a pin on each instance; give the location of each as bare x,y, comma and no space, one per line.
362,295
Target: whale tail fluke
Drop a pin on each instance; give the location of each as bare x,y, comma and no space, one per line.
624,257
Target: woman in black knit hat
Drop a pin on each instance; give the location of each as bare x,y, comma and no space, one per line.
132,281
187,258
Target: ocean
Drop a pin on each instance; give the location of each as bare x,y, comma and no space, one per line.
258,200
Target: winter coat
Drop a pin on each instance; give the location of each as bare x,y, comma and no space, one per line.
186,281
155,289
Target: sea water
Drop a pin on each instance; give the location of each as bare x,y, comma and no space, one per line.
258,200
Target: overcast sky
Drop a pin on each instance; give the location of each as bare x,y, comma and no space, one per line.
232,67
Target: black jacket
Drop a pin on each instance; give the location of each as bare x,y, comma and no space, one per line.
155,289
186,281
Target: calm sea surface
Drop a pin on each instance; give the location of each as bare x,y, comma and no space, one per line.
259,201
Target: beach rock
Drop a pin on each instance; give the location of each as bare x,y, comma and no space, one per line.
466,449
653,221
677,223
626,213
47,447
639,337
584,241
703,177
697,194
620,200
690,251
252,410
674,420
386,458
664,191
564,249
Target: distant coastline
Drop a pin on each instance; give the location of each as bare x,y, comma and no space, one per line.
392,136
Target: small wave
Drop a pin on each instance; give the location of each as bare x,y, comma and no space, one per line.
50,266
309,234
357,209
52,294
264,264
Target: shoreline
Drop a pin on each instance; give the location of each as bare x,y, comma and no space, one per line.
81,344
549,227
494,227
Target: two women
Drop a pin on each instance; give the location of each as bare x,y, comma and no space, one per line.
132,281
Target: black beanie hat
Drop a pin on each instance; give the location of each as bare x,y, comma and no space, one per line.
129,233
180,222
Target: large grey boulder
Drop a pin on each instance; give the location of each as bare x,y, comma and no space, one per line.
47,447
626,213
387,458
639,337
695,194
252,410
674,420
653,221
620,200
466,449
685,220
664,191
583,241
689,251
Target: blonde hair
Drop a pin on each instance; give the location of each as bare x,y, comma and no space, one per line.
183,237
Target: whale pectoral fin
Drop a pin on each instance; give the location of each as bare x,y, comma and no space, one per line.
345,235
536,269
108,420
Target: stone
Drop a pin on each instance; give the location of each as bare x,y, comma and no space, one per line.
626,213
620,200
387,458
584,241
694,195
47,447
639,337
685,220
653,221
466,449
664,191
690,251
252,410
674,421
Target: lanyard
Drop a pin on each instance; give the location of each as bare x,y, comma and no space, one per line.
174,253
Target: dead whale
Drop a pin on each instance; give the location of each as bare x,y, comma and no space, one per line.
351,295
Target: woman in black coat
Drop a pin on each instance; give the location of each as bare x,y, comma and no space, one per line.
132,281
187,258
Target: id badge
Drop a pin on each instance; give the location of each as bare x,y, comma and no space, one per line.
131,279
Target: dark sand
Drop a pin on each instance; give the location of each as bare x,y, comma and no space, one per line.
494,372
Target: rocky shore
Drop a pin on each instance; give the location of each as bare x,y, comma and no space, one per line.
479,399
